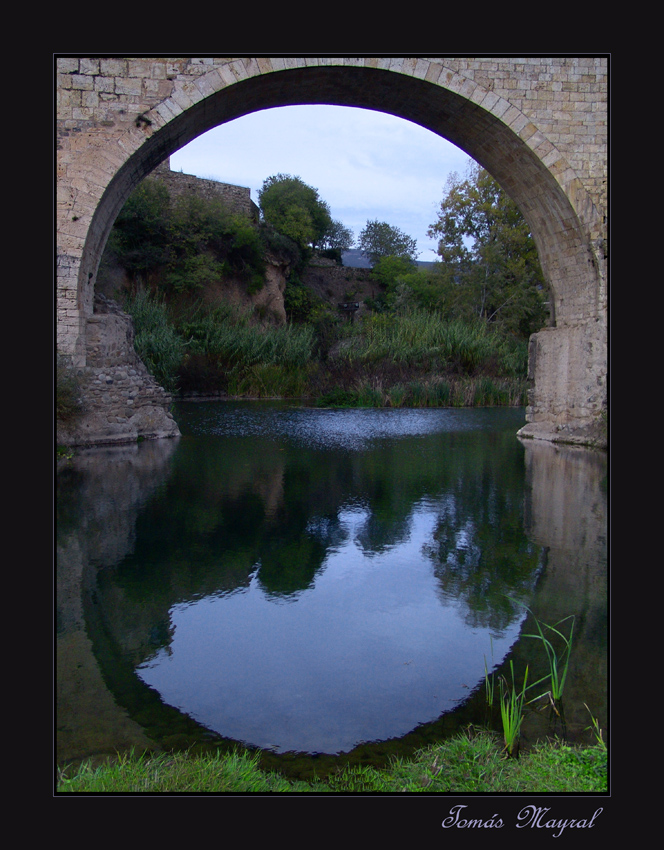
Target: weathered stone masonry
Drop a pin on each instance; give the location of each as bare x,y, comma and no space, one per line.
122,401
237,199
537,124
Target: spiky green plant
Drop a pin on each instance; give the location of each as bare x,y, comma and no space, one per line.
558,663
511,709
596,729
489,683
156,341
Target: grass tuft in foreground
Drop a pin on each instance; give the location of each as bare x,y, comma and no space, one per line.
176,772
472,762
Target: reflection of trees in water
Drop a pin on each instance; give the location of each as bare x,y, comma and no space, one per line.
234,510
289,562
381,531
480,556
150,527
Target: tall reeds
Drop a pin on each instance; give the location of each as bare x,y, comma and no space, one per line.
512,699
511,709
156,340
232,339
419,338
558,660
409,359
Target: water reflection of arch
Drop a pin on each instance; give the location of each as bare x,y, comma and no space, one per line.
565,512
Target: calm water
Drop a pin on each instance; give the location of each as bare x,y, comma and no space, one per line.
320,581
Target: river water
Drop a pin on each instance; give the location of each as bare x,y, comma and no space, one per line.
322,583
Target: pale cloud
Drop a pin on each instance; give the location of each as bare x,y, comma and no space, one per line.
364,164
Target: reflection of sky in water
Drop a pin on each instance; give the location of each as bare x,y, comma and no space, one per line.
369,652
352,429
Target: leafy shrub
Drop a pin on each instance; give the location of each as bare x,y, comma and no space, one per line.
186,244
140,239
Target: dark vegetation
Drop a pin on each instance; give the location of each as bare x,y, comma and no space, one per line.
453,334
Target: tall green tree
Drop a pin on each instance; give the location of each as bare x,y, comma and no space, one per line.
379,239
295,209
488,253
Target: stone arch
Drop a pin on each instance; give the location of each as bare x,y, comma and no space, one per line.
563,215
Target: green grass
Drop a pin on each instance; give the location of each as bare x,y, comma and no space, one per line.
268,380
410,359
472,762
233,340
179,772
156,341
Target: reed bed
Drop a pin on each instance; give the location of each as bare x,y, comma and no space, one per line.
233,340
410,359
430,391
422,339
156,340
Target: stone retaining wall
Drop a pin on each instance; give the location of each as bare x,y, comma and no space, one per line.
236,198
122,401
337,284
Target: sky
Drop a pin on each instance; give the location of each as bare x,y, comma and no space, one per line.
366,165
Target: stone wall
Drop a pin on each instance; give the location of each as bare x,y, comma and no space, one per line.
121,400
337,284
236,198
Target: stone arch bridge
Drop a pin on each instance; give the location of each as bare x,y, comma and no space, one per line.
538,125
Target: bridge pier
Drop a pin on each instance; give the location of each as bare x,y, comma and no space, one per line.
568,368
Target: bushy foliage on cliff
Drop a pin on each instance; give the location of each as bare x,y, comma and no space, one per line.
186,244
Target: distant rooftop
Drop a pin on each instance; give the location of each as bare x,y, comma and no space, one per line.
355,259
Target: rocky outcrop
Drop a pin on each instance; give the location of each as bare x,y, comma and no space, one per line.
267,302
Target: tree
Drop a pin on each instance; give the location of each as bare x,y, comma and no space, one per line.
294,209
379,239
488,253
338,238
